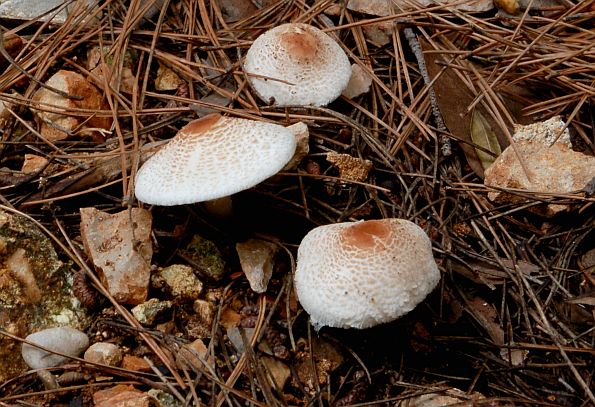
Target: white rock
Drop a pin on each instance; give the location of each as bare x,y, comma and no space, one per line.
31,9
359,83
64,340
552,169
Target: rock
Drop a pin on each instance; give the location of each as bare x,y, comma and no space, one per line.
449,397
122,396
30,10
35,289
105,353
326,357
202,321
134,363
165,399
147,312
207,256
166,79
379,34
205,310
359,83
235,337
104,70
179,281
256,258
193,354
54,119
390,7
555,169
65,340
279,371
120,248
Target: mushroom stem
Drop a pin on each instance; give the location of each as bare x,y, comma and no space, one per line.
221,208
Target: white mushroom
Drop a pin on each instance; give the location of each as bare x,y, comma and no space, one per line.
360,274
214,157
297,64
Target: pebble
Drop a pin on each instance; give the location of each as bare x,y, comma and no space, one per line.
147,312
64,340
105,353
178,280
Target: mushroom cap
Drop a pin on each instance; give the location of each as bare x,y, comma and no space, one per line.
213,157
361,274
314,68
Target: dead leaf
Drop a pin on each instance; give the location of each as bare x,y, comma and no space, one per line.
448,87
484,136
100,171
482,272
34,164
350,168
585,299
279,372
485,314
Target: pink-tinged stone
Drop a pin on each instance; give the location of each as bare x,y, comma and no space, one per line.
55,112
122,396
120,248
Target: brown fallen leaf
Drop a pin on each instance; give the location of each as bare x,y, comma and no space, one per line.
448,87
584,299
484,136
485,273
350,168
12,44
485,314
100,171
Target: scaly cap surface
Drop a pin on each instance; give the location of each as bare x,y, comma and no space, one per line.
360,274
213,157
306,66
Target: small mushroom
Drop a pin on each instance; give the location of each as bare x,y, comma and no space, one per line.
297,64
361,274
214,157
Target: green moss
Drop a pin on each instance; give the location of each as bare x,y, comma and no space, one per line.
206,256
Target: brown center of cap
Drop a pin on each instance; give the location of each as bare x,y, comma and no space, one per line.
201,125
364,235
301,44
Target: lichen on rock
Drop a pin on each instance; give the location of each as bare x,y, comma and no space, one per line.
35,289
